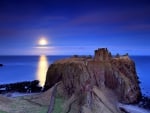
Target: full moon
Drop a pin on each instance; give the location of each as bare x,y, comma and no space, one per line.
43,42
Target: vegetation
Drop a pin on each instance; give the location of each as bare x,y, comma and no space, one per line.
58,105
2,111
36,103
31,104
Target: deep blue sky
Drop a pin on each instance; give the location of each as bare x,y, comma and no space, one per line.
74,26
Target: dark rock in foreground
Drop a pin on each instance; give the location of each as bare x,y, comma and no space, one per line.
1,65
23,87
106,78
145,102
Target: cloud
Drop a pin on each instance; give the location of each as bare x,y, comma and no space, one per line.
138,27
107,17
72,50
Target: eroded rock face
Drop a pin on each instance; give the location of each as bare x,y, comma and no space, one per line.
79,75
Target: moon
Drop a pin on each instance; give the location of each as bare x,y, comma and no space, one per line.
42,42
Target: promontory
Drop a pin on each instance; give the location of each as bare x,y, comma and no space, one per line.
94,84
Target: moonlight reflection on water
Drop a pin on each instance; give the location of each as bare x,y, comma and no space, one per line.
42,69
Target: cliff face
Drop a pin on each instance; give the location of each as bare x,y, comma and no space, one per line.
81,75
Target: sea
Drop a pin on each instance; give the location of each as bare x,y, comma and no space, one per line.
28,68
25,68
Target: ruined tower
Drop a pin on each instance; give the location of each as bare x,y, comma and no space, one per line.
102,54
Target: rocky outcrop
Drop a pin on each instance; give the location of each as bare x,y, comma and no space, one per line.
22,87
89,78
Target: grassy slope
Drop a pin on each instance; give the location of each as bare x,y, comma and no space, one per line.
2,111
23,105
37,103
58,105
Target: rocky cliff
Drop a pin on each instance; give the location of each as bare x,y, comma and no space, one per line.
96,83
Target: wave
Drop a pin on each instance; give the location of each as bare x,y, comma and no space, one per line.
133,108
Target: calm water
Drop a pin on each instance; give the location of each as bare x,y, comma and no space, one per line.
25,68
143,71
22,68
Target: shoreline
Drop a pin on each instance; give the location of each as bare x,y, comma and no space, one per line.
133,108
129,108
26,88
140,107
18,94
21,87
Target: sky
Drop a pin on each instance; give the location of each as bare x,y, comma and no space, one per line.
74,26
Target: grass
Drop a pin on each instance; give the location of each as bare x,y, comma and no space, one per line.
2,111
27,107
58,105
20,105
43,110
31,104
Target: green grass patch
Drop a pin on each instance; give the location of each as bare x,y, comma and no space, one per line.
58,105
42,110
2,111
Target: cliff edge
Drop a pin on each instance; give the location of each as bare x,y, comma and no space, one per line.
95,84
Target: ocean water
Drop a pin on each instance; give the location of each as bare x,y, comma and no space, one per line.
143,71
25,68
